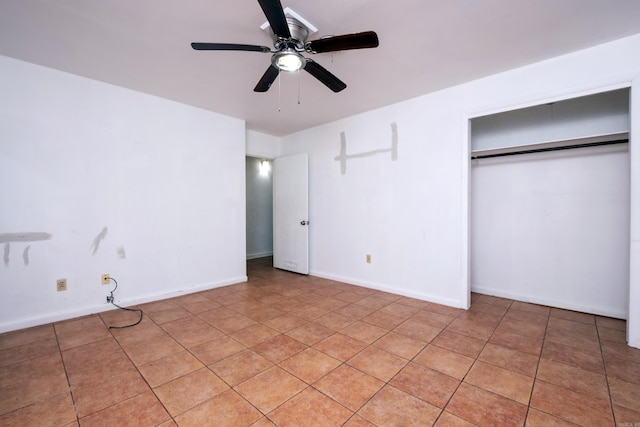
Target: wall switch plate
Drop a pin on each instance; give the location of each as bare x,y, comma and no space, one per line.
61,285
368,258
106,279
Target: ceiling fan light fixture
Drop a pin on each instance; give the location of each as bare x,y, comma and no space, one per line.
288,60
289,32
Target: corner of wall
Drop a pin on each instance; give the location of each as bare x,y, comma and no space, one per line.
259,144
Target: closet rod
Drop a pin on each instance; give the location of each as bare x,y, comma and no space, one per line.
541,150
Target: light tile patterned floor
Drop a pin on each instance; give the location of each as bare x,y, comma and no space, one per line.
291,350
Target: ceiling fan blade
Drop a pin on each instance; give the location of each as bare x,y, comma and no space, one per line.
322,74
267,79
229,46
363,40
275,15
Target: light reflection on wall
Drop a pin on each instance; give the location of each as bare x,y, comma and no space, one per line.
265,167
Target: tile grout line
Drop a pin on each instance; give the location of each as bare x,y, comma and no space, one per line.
233,388
474,362
342,363
606,375
370,345
442,410
66,373
136,367
577,367
476,359
535,375
385,383
249,348
205,366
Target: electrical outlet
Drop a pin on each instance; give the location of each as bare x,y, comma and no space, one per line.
106,279
368,258
61,285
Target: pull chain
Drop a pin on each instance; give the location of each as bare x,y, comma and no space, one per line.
279,91
298,86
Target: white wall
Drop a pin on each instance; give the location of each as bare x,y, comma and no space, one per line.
259,209
405,213
262,145
412,215
606,67
601,114
164,180
553,228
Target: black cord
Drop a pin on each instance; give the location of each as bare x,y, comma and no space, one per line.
111,299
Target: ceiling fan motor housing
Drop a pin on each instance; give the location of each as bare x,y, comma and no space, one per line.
299,34
291,42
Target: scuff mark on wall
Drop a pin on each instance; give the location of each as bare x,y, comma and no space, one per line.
7,250
24,237
343,153
32,236
394,141
342,158
121,253
25,256
98,239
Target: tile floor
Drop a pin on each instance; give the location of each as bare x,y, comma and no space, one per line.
290,350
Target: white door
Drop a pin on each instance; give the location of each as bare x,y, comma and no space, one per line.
291,213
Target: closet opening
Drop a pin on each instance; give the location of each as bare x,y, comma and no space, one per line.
550,204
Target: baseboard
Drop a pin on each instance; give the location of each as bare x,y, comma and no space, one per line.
259,255
548,302
71,314
391,289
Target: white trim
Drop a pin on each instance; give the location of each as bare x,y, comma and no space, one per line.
391,289
70,314
623,82
633,323
465,292
549,303
259,255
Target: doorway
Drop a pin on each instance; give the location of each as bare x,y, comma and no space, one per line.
259,209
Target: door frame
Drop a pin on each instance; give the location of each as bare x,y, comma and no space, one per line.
633,84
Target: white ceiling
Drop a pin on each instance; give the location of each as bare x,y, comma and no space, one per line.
425,45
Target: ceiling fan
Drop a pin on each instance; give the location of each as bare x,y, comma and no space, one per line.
290,40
